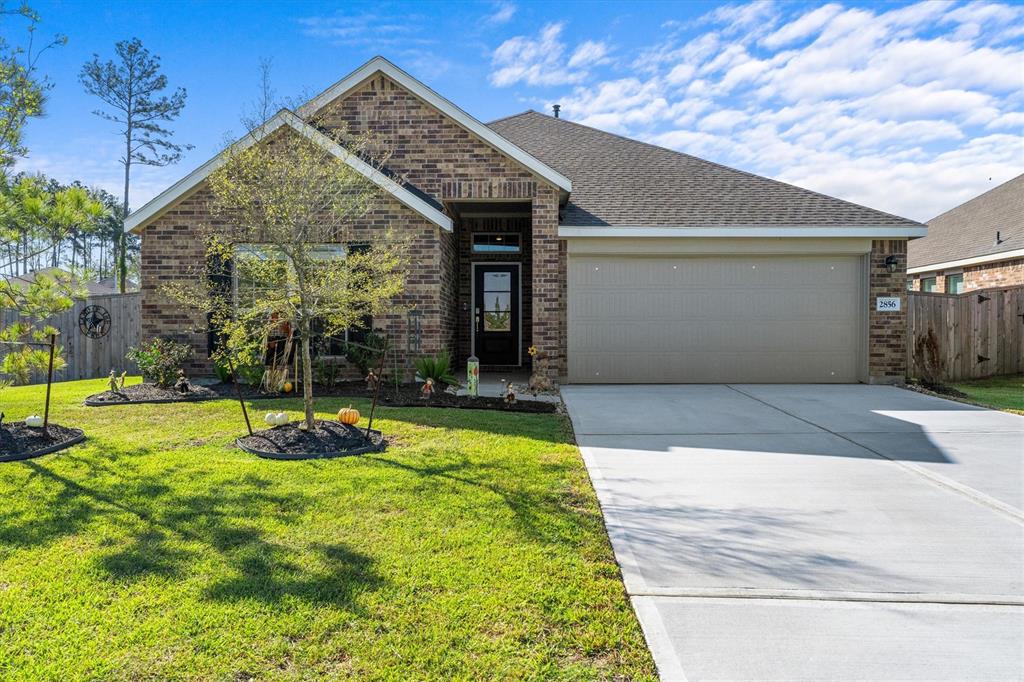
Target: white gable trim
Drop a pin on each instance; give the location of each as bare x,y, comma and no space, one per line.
441,104
977,260
137,219
567,231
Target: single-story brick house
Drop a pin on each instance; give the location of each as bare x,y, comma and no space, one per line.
622,261
977,245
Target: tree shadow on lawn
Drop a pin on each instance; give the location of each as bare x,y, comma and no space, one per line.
548,514
168,533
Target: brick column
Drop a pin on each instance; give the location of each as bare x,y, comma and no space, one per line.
887,331
548,281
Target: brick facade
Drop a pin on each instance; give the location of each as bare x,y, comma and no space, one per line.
172,250
439,157
434,155
887,331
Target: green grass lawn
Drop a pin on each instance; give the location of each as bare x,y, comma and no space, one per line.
1000,393
473,548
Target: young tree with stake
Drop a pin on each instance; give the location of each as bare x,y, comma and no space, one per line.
292,203
131,87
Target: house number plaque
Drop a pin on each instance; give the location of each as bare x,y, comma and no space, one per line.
887,303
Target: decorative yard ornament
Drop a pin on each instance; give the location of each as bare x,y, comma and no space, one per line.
510,396
287,388
94,321
371,382
428,389
34,421
348,415
539,381
473,376
181,385
414,339
113,381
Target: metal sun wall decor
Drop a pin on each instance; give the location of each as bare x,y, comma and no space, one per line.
94,321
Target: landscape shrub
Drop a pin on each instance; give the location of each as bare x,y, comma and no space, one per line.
160,361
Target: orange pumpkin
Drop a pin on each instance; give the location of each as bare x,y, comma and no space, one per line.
348,415
287,387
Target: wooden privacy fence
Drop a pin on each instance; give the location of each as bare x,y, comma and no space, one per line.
89,358
977,334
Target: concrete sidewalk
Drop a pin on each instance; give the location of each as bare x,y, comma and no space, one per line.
812,532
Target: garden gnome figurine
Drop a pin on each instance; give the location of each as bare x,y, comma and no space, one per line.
181,385
371,381
539,382
428,389
510,396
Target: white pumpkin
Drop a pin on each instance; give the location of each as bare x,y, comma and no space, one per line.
269,419
281,418
34,420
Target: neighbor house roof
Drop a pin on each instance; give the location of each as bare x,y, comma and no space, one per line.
966,235
92,288
409,196
623,186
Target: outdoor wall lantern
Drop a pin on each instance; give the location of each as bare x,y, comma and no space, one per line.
890,263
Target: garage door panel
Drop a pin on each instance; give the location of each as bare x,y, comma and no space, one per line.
714,319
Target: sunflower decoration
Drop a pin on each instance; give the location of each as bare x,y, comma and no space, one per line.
532,351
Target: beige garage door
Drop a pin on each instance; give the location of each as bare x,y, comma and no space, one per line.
758,319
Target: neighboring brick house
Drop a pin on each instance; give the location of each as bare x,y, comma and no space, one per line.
977,245
619,260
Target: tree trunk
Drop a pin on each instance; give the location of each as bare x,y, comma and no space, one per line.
122,241
307,374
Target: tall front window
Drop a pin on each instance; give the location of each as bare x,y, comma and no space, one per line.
247,285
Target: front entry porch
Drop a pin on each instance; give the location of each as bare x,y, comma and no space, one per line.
494,310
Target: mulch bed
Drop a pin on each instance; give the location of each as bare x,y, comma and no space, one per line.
151,393
18,441
328,439
941,390
407,395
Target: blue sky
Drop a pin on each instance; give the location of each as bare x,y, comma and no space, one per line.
907,107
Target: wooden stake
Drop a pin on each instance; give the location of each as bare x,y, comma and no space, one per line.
238,390
376,388
49,380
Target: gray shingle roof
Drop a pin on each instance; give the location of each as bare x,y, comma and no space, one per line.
621,182
969,230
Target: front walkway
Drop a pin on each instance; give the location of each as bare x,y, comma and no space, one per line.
812,532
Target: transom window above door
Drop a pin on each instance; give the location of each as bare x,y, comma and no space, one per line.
489,242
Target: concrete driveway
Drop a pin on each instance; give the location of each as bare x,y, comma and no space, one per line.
812,532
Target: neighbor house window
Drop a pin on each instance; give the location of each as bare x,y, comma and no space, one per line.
496,243
246,289
927,284
955,284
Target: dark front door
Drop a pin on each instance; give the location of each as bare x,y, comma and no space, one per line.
496,314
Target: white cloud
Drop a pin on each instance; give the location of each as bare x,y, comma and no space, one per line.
538,60
910,109
807,24
590,52
503,13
